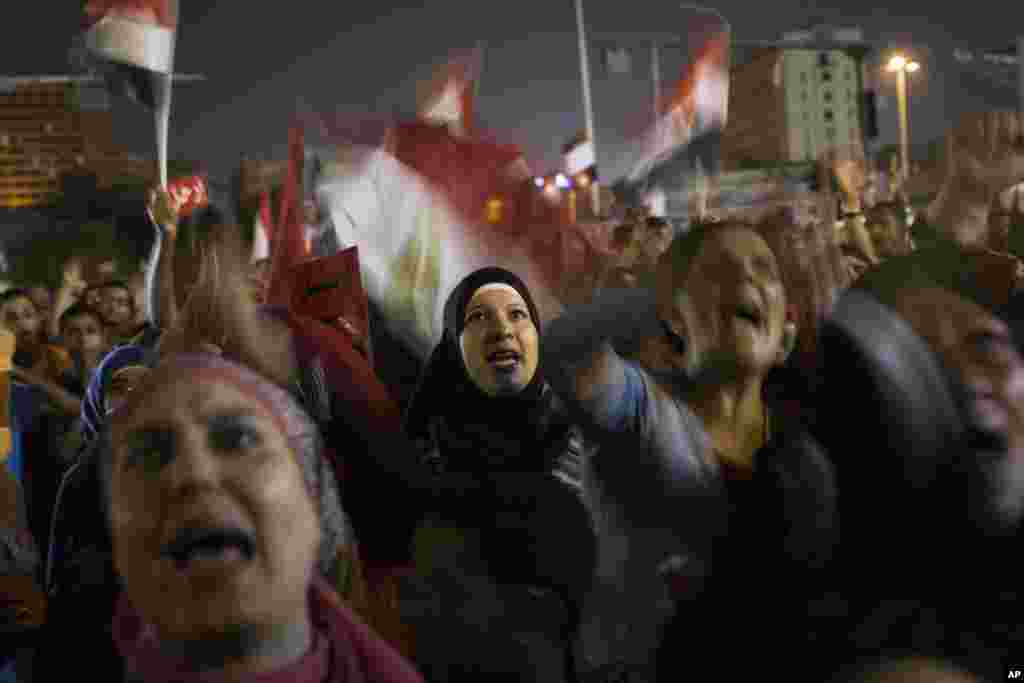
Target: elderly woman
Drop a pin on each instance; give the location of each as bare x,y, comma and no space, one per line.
509,529
697,468
212,498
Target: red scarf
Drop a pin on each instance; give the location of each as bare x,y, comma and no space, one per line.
344,650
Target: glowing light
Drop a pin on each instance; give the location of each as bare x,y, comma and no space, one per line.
897,63
912,67
583,180
538,181
562,182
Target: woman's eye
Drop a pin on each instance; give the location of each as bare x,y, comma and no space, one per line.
519,315
474,317
233,437
150,452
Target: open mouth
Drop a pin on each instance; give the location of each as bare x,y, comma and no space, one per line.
210,547
504,358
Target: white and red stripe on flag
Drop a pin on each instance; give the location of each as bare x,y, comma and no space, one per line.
139,33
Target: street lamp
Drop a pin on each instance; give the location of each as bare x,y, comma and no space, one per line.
901,66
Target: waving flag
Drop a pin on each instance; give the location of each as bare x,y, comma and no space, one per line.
288,239
448,96
262,231
416,209
132,42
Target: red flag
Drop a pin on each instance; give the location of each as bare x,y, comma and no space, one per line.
449,94
262,231
132,42
288,241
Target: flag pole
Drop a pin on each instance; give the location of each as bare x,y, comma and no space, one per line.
656,77
588,107
163,121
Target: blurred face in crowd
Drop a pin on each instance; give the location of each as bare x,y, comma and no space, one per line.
979,349
116,306
83,334
214,531
500,343
41,299
889,234
19,316
658,238
736,299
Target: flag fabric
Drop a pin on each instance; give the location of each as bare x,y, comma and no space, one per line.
262,231
687,134
288,238
417,209
132,44
448,97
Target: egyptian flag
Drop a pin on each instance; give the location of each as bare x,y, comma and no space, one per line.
448,97
416,207
262,231
686,136
132,42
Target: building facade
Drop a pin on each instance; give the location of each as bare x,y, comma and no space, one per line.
798,99
50,130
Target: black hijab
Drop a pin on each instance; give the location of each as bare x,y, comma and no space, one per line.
472,429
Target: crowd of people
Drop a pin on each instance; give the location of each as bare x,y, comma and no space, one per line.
786,447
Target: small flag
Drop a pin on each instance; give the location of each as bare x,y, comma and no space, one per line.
686,137
188,194
262,231
618,61
132,43
288,245
448,97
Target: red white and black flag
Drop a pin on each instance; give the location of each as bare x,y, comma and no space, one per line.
132,42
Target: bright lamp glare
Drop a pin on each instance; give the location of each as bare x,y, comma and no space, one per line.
538,181
562,181
912,67
897,63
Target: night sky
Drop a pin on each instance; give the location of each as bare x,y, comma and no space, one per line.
261,59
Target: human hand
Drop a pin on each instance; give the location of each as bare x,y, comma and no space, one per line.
850,170
162,212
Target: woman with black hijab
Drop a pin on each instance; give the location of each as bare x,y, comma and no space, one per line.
508,550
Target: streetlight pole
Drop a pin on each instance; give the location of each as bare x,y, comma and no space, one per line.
588,105
901,94
902,66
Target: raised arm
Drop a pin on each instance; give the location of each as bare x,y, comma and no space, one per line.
583,368
161,306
